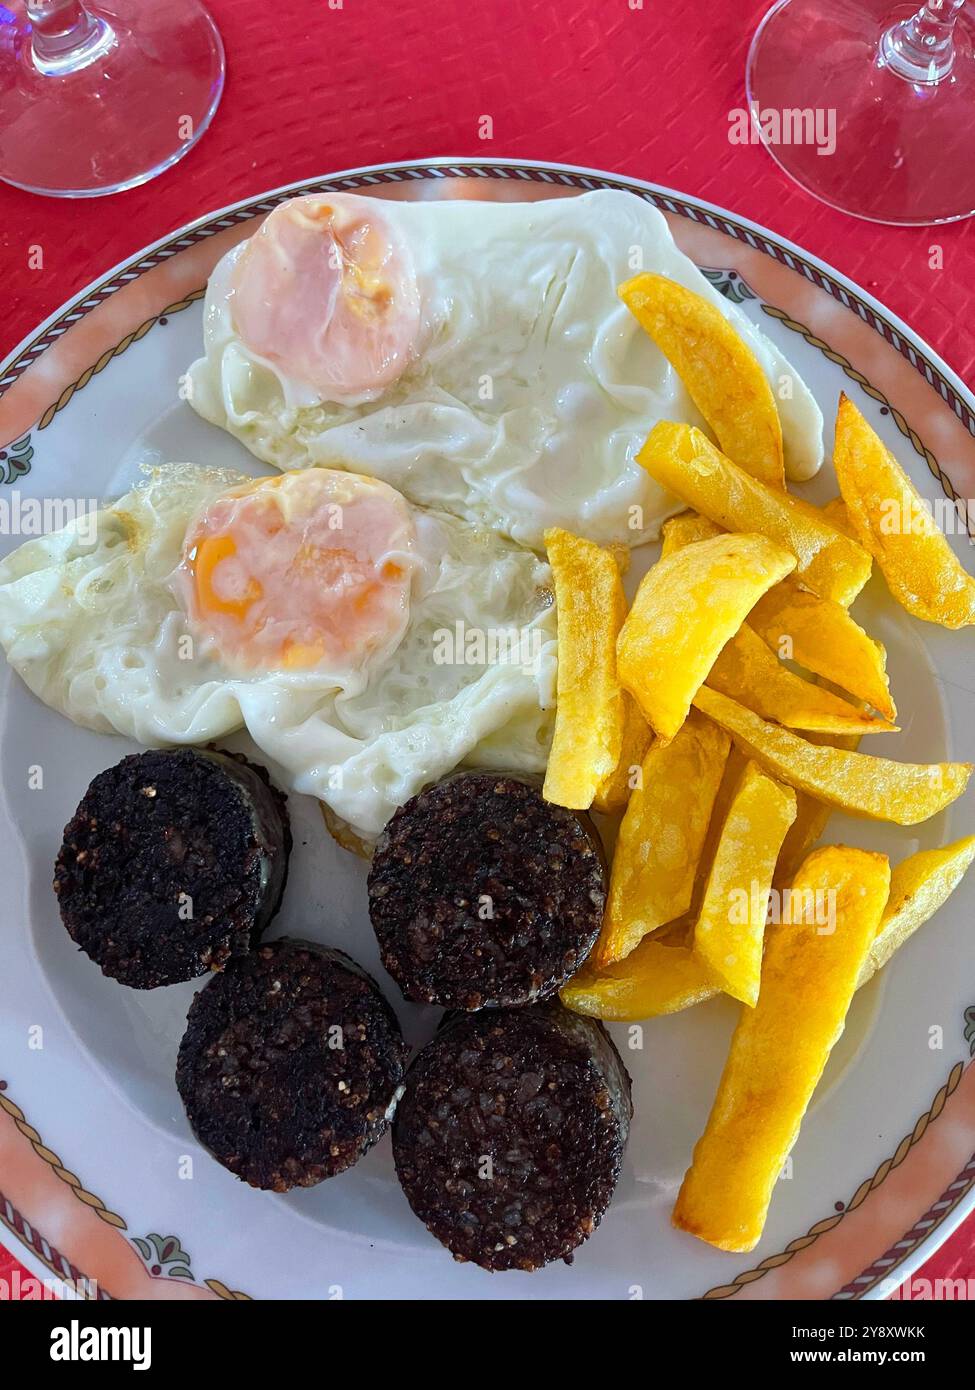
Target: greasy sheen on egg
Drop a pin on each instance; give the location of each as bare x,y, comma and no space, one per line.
474,355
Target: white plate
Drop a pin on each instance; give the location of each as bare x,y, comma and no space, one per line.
88,1107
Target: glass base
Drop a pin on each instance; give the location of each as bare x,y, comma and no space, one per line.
903,151
144,94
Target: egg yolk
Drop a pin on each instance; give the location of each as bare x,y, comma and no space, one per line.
326,294
311,569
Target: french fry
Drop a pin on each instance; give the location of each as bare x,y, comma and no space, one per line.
747,670
621,554
779,1050
734,770
685,610
731,927
685,528
680,932
839,516
918,887
613,791
892,522
636,988
723,376
822,637
661,836
811,819
686,463
654,979
875,788
812,631
590,605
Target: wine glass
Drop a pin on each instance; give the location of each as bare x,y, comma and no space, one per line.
883,99
103,95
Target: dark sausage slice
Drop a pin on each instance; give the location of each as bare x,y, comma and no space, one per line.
291,1064
174,863
482,894
509,1137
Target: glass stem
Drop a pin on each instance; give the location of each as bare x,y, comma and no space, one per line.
65,37
921,49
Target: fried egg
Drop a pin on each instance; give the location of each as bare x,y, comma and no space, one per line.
319,610
473,355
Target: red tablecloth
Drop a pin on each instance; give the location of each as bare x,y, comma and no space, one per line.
643,91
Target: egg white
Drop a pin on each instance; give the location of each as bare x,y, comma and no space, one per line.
91,619
533,386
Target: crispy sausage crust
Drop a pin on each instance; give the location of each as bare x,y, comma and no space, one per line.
509,1138
483,894
290,1065
174,863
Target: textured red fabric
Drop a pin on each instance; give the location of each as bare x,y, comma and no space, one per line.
311,89
16,1282
955,1260
641,91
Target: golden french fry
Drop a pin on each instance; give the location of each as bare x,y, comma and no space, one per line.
686,463
839,516
723,376
822,637
875,788
811,819
680,932
590,605
918,887
685,529
731,927
635,988
621,554
748,671
802,627
661,836
654,979
613,792
894,524
685,610
780,1048
734,770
